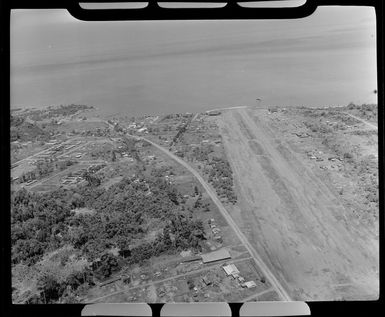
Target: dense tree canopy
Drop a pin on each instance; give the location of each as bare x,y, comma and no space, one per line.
120,218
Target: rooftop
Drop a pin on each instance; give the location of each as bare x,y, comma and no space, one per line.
217,255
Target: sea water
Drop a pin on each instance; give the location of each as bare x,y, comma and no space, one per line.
188,66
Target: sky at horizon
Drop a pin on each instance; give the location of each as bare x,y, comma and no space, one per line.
328,58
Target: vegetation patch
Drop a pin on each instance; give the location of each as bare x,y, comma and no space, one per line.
44,223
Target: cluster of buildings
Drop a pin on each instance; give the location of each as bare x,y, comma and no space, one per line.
49,154
215,230
77,177
313,156
318,156
95,167
140,126
142,130
77,155
169,179
124,153
232,270
52,153
73,179
149,158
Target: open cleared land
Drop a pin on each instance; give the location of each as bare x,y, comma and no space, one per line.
309,237
159,208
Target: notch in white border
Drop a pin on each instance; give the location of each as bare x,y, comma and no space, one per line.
272,4
112,5
191,5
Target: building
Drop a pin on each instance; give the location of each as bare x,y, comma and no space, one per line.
218,255
206,280
227,269
232,270
14,179
216,230
213,113
250,284
186,253
218,239
273,109
191,258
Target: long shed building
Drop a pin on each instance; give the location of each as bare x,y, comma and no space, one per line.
218,255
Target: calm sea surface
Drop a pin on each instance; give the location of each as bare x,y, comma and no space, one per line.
164,67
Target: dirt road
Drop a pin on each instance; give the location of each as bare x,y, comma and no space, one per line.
204,269
292,219
263,267
362,120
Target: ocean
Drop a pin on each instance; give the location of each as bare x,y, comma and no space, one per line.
155,67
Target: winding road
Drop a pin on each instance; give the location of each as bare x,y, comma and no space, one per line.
263,267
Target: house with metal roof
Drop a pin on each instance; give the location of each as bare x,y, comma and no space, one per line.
232,270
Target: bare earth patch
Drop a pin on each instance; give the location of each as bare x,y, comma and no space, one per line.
297,224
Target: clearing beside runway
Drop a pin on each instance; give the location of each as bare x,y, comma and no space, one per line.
300,200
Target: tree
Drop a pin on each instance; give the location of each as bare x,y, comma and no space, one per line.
173,195
198,202
69,298
27,250
124,247
91,179
105,266
42,222
190,283
50,289
35,299
206,207
196,190
76,279
77,201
